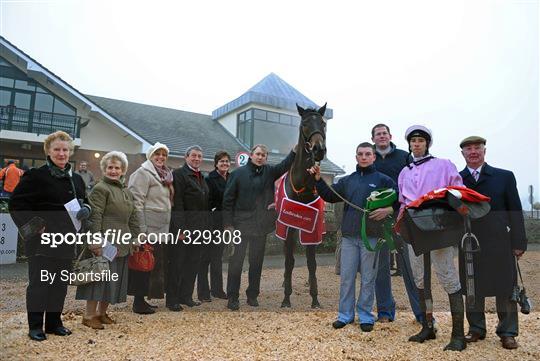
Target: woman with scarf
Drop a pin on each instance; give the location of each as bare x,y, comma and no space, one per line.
152,189
112,209
38,206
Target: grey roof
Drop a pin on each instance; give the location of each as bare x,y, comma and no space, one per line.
180,129
175,128
272,91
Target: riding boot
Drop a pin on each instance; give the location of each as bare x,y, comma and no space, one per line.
427,332
457,341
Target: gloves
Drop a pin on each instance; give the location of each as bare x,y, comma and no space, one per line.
84,213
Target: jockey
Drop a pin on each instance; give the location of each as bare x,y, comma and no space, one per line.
424,174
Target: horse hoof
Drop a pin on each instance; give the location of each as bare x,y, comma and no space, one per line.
316,305
285,304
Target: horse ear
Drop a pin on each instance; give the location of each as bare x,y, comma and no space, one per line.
322,110
300,109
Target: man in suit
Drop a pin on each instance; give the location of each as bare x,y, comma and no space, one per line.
247,207
189,214
501,234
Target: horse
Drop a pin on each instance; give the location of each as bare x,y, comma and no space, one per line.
299,186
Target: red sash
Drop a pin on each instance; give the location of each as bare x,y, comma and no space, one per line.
307,218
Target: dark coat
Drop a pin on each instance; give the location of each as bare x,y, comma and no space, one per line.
249,192
216,185
392,163
355,188
190,203
498,233
40,194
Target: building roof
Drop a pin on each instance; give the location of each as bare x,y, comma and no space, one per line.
272,91
37,71
176,128
180,129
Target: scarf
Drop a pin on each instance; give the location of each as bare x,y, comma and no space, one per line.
58,172
166,177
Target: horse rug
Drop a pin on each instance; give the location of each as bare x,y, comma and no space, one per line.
307,218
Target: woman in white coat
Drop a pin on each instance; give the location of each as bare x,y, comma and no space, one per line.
151,186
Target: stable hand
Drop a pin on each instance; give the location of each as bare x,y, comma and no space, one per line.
380,213
315,171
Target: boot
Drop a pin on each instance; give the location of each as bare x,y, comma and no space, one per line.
140,306
457,341
427,332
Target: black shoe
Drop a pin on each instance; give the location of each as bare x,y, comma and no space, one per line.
175,308
221,295
190,303
59,331
338,324
37,335
253,302
233,304
143,309
366,327
426,333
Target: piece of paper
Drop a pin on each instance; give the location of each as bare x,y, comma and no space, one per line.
109,251
73,207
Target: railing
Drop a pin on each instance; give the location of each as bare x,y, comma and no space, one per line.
31,121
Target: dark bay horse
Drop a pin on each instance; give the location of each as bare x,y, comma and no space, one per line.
300,186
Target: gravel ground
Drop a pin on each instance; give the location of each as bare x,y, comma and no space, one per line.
210,332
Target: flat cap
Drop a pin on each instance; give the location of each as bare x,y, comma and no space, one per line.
473,139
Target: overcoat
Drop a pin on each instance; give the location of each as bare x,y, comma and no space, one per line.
499,232
41,194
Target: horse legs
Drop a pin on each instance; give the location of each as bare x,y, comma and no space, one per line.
288,250
312,268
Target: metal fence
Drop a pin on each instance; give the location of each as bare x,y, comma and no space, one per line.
31,121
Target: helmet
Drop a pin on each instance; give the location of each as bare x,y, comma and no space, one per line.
419,131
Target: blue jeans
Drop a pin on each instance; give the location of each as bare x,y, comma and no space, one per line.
386,306
354,253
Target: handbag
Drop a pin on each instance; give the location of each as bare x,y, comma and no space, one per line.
88,270
143,259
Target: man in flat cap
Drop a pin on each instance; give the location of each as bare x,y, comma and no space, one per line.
501,234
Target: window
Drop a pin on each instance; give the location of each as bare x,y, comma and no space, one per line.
62,108
44,103
6,82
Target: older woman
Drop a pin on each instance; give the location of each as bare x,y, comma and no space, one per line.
152,190
113,208
212,253
38,203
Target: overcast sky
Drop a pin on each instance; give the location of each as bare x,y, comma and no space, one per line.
459,67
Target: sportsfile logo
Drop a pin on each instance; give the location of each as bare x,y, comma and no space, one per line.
112,236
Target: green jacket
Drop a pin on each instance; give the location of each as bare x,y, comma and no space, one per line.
113,208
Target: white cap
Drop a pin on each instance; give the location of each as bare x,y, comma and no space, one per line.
421,128
155,147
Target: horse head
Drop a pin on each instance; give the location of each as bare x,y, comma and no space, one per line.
313,132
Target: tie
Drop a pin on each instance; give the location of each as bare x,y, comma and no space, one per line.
476,175
198,175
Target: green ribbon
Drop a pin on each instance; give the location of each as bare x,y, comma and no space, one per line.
379,198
